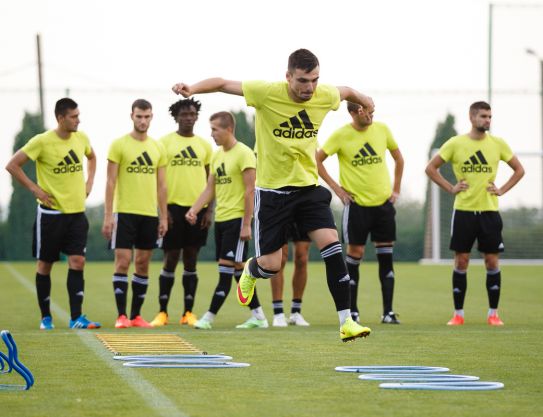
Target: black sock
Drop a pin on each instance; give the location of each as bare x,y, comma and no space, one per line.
120,288
165,284
296,306
43,290
255,303
257,271
493,286
386,276
337,276
76,287
222,289
190,282
139,289
460,285
277,306
354,274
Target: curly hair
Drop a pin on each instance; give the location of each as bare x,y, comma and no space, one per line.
186,103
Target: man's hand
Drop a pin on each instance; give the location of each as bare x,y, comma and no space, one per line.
394,197
107,227
191,216
162,226
183,89
88,187
345,197
207,219
245,233
462,185
46,199
493,189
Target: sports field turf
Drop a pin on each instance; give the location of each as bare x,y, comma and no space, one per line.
292,370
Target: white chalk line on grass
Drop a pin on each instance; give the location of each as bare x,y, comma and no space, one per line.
155,399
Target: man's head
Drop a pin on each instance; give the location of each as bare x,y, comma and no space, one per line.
185,113
67,114
480,116
302,75
142,114
223,126
361,117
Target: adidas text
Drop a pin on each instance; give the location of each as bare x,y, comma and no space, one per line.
295,133
186,161
226,180
369,160
477,168
68,169
140,170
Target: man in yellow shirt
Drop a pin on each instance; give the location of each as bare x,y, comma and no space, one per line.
188,157
368,197
135,210
61,191
288,116
232,183
475,157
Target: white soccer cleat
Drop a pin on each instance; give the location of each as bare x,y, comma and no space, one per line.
296,319
279,320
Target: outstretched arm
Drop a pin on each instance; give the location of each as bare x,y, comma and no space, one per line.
398,172
207,195
354,96
210,85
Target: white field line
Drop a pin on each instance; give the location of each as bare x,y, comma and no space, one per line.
155,399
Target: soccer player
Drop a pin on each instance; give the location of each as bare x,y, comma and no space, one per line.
368,197
474,157
61,224
288,117
135,188
232,182
299,281
186,175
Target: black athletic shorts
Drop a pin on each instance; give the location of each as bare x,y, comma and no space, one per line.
275,210
56,232
227,242
182,234
134,231
485,226
360,221
294,235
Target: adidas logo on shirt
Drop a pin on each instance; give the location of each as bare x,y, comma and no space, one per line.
476,163
366,156
221,177
141,165
187,157
70,163
298,126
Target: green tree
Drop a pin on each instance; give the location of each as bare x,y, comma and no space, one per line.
445,130
245,128
22,206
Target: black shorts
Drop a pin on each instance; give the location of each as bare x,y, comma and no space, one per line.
182,234
227,242
134,231
275,210
56,232
360,221
485,226
294,235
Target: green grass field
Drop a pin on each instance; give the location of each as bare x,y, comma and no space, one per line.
292,370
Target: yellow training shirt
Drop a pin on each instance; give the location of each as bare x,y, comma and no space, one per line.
286,132
362,161
136,189
476,162
227,167
185,173
59,168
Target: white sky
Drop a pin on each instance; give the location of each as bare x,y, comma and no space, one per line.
419,60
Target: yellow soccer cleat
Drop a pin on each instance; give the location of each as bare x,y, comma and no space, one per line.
188,318
246,286
350,330
161,319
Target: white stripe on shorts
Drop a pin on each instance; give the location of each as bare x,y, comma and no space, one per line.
257,222
39,213
114,231
452,221
345,223
239,248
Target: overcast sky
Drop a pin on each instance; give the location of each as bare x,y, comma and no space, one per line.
419,60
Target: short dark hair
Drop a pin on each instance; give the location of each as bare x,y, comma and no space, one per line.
352,107
141,104
63,105
302,59
226,119
186,103
478,105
